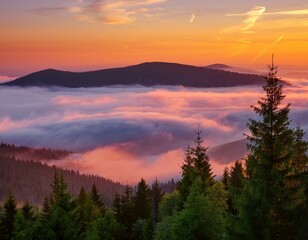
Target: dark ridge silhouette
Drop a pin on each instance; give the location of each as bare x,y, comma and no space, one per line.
145,74
218,66
35,154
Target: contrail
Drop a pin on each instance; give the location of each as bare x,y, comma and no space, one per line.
269,46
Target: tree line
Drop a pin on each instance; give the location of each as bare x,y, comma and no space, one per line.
263,196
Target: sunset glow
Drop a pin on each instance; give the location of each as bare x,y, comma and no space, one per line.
86,34
145,128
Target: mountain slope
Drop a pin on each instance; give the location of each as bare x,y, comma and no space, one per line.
146,74
229,152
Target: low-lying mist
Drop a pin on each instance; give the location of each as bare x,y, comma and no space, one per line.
125,133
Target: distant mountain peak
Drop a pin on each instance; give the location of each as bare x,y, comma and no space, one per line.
218,66
145,74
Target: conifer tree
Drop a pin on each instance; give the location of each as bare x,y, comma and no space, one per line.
157,196
84,214
142,201
196,164
266,205
26,224
7,222
97,200
226,179
57,209
123,207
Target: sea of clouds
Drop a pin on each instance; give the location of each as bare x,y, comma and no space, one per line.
125,133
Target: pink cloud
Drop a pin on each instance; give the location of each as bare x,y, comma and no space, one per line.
119,165
91,100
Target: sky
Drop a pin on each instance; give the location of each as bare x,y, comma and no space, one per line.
80,35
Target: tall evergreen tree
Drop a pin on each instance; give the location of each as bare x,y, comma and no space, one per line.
26,224
157,196
7,222
57,212
97,199
225,179
196,164
142,201
123,207
266,200
84,214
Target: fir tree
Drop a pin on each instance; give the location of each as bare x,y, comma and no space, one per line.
97,200
7,222
266,205
142,201
157,196
196,164
226,179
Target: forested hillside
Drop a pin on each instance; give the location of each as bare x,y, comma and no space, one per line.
35,154
31,181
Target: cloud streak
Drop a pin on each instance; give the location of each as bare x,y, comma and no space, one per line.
255,14
251,18
261,53
113,12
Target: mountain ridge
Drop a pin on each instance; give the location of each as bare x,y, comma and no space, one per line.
145,74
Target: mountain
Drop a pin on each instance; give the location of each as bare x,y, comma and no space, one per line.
219,66
229,152
145,74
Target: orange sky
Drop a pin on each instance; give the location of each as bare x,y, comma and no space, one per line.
86,34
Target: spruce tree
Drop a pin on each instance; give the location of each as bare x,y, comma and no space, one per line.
225,179
97,199
196,164
7,222
265,204
157,196
142,201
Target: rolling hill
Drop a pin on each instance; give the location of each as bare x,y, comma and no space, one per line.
145,74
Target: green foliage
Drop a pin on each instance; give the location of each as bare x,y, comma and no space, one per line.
226,178
7,221
268,201
57,212
170,204
123,207
201,218
84,214
97,200
26,224
142,201
106,228
196,164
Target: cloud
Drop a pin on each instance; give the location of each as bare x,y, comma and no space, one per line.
145,126
113,162
251,18
115,11
253,15
290,12
74,9
192,18
269,46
